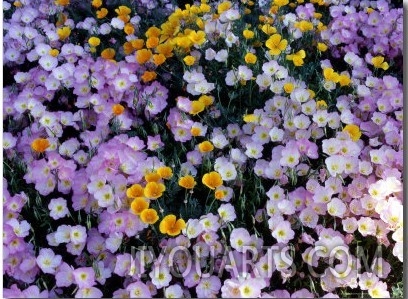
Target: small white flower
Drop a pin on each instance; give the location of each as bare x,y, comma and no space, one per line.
58,208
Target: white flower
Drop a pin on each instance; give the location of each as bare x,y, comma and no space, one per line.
48,261
336,207
63,234
173,291
58,208
283,232
227,212
21,229
204,87
227,171
276,134
78,234
160,276
263,81
210,54
117,23
335,164
9,141
48,62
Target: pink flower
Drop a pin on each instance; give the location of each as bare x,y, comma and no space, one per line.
138,290
290,156
84,277
48,261
239,238
208,287
283,232
91,292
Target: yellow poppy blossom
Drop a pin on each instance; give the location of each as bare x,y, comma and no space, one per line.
149,216
170,226
39,145
353,131
276,44
205,147
136,190
118,109
154,190
187,182
212,180
138,205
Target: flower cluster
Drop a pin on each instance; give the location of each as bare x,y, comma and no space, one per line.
219,148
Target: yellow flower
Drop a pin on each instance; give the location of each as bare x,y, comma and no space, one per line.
165,172
148,76
108,53
137,44
123,10
127,48
183,42
250,58
152,177
268,29
138,205
212,180
63,32
248,34
170,226
152,42
379,63
280,3
204,7
118,109
166,49
100,14
276,44
153,31
129,29
224,6
304,25
297,58
19,4
353,131
134,191
206,100
198,38
317,15
94,41
39,145
288,87
59,2
220,194
205,147
200,23
189,60
143,55
159,59
53,52
251,118
154,190
344,80
321,47
196,107
96,3
330,75
321,104
187,182
149,216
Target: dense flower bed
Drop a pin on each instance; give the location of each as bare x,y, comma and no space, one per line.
213,149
